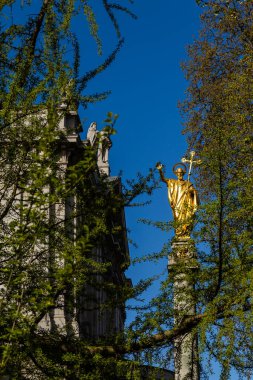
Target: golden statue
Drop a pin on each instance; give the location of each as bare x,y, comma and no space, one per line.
183,198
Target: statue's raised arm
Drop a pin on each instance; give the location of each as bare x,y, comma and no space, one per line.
159,167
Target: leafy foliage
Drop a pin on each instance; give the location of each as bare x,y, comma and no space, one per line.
42,263
218,113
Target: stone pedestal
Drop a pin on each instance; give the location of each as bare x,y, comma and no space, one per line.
183,264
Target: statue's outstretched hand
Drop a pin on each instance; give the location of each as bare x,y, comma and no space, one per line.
159,166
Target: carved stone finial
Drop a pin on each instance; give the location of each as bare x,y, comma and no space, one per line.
92,133
103,146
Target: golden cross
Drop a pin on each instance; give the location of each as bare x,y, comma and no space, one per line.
191,161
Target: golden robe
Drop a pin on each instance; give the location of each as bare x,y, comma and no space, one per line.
183,199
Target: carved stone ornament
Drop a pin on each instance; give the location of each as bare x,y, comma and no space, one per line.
103,141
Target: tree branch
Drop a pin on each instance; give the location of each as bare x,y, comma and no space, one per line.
156,340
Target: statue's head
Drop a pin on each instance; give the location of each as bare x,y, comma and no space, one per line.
180,173
179,170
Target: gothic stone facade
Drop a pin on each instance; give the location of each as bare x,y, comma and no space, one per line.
90,321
